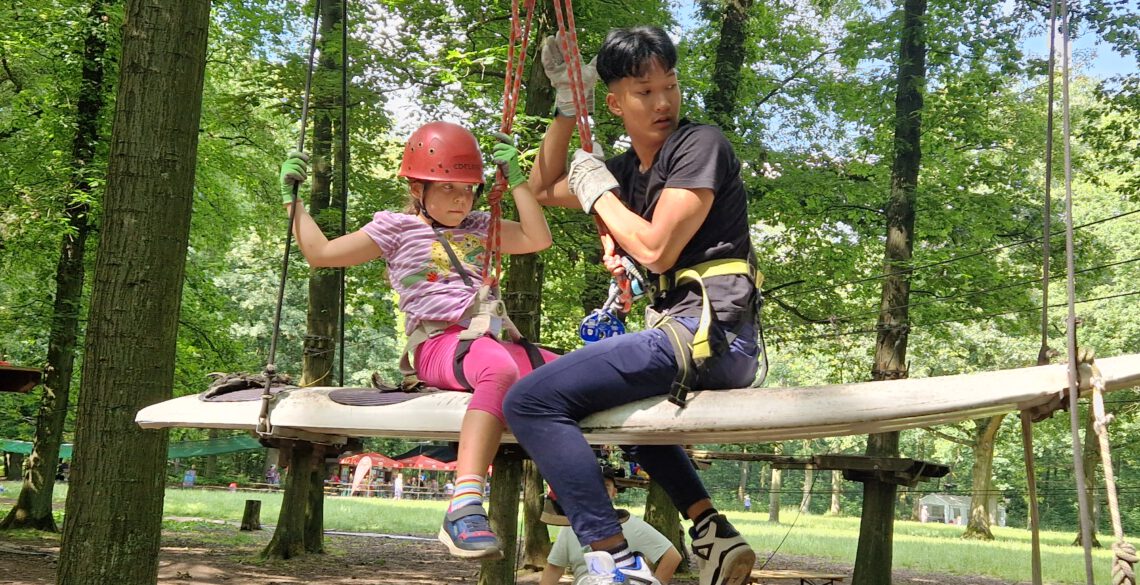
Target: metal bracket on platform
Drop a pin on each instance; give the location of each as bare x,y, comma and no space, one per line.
281,434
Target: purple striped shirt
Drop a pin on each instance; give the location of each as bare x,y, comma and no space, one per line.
419,269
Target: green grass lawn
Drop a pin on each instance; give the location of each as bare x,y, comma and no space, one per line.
930,548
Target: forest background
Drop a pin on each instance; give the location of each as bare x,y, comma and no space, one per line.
812,119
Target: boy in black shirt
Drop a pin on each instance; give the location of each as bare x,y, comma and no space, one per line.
675,203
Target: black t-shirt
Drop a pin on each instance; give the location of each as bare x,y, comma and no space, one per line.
696,156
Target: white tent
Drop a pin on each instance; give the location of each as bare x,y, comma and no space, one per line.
948,509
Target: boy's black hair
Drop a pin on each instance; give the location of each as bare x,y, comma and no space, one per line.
630,52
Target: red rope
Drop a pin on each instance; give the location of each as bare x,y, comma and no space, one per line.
520,36
582,116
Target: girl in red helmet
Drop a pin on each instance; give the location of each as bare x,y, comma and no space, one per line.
435,262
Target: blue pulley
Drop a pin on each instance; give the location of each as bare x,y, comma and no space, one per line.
600,324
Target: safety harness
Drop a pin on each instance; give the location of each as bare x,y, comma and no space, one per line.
486,315
692,350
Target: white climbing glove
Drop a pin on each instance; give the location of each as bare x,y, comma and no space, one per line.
554,63
589,178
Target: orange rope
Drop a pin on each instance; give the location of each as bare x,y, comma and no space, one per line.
582,117
520,35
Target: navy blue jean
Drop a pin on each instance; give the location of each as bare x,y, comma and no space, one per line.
543,409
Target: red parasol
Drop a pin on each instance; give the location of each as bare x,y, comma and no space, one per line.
378,460
424,462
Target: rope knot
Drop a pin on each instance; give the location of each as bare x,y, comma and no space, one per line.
1124,556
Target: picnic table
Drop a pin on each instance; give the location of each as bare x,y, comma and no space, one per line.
802,577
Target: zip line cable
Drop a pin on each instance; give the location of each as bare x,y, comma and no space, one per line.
958,320
950,260
966,294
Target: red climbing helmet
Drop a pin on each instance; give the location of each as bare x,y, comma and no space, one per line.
442,151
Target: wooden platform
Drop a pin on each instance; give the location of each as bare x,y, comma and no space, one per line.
801,577
745,415
17,379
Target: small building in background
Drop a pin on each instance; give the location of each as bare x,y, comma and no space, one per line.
948,509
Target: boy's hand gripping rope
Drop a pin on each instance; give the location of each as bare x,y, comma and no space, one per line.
569,38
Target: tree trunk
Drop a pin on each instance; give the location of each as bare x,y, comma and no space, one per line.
135,300
211,470
836,492
536,538
805,501
504,511
13,466
742,487
978,526
289,537
251,517
33,507
322,318
774,495
315,511
873,556
661,514
720,102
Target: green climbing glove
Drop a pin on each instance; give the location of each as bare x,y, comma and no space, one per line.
294,171
507,157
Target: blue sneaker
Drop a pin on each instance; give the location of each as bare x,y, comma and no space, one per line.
467,534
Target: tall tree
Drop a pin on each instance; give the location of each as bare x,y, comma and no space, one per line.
981,504
876,530
306,508
33,507
129,358
721,100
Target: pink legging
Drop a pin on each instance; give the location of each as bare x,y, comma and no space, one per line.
491,367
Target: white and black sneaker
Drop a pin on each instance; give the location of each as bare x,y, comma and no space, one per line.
722,554
602,569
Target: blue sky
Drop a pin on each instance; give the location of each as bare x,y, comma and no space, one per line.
1097,59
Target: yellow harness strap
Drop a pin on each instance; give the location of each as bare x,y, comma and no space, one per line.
724,267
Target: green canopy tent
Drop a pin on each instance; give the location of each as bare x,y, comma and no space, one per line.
180,450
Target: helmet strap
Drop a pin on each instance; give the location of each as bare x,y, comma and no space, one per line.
421,206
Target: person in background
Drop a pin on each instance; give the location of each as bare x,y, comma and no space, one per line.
398,486
642,537
190,477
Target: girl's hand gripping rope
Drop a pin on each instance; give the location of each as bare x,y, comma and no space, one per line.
506,156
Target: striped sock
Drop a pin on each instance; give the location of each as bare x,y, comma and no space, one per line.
623,556
468,491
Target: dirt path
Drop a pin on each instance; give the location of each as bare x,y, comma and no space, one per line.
208,553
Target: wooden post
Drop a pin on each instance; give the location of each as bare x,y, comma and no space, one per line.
661,514
251,518
504,511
